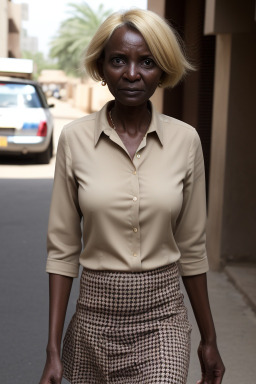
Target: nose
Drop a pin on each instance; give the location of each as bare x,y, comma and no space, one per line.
132,72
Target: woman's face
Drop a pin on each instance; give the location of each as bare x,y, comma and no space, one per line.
129,68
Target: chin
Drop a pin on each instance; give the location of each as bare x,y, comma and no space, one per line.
131,101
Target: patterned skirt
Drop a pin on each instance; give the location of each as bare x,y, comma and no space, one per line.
129,328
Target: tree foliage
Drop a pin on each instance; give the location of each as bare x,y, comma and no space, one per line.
75,34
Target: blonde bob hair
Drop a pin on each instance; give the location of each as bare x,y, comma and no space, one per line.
161,39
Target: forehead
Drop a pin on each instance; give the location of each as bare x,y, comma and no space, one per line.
126,38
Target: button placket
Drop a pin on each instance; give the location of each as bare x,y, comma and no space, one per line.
135,245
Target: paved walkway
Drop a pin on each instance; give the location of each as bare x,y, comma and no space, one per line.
235,323
243,276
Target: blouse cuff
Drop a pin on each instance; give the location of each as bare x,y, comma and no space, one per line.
195,268
62,268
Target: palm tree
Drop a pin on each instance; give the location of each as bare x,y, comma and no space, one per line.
75,34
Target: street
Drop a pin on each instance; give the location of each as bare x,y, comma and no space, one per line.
25,192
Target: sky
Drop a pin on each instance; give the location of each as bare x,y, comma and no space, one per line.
45,16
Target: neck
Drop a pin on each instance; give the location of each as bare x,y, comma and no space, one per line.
131,120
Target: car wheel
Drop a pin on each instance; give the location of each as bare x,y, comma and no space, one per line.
45,157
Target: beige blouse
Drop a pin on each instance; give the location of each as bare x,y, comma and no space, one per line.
109,212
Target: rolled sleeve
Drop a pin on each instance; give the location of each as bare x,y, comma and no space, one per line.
190,230
64,228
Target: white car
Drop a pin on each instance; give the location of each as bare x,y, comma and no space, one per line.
26,124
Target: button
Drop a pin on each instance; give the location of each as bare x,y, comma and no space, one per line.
134,254
135,230
134,172
135,198
138,155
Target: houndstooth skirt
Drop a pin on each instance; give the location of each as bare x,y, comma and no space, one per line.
129,328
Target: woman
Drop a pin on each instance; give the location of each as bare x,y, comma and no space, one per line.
135,179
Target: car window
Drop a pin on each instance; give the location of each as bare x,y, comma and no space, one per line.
18,96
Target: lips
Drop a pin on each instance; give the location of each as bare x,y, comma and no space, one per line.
131,90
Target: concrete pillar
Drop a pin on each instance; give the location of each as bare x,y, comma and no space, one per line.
232,197
239,208
232,202
229,16
218,149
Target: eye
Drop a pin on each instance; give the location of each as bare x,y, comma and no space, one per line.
148,62
117,61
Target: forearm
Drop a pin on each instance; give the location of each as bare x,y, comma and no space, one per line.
59,292
196,287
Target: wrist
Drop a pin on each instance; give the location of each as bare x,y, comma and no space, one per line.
209,340
52,351
208,333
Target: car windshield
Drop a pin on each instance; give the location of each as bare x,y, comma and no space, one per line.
18,96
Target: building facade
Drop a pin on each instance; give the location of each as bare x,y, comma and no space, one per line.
10,28
14,38
219,101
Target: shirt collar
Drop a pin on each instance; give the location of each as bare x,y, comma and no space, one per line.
102,125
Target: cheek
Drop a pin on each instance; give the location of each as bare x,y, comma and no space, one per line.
110,73
160,76
111,86
155,78
152,84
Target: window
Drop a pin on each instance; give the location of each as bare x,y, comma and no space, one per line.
18,96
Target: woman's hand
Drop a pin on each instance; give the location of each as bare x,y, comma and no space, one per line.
212,366
53,370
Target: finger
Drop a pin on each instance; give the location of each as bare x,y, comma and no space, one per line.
213,376
218,377
208,381
209,377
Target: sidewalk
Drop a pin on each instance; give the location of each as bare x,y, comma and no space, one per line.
235,323
243,276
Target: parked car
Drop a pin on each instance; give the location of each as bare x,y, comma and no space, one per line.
26,124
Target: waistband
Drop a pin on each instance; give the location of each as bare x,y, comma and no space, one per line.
129,296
